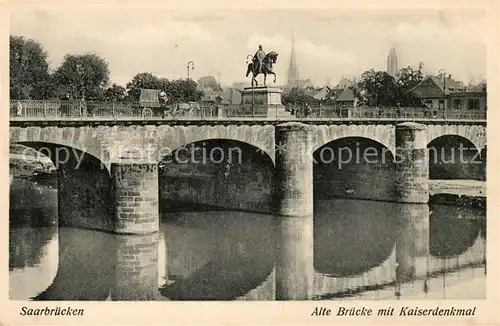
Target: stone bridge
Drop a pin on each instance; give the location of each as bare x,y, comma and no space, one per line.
108,175
110,142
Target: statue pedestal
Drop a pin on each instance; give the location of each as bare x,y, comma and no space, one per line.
266,102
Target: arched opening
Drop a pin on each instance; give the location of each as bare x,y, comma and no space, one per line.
218,235
353,167
453,157
56,190
353,236
217,173
33,188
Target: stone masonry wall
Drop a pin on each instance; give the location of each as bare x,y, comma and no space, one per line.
412,164
135,197
136,268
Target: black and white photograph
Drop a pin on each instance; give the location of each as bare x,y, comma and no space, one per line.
272,154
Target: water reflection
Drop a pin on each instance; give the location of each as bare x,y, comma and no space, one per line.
32,205
218,255
224,255
453,230
135,267
33,260
412,245
352,236
85,266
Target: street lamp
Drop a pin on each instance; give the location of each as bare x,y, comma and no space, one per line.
190,64
443,73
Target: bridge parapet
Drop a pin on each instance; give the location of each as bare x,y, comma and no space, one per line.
49,110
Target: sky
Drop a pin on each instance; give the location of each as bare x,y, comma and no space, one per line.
329,44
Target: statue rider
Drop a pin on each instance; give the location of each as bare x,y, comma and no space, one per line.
259,57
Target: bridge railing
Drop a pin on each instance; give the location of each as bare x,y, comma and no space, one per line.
91,110
57,109
403,113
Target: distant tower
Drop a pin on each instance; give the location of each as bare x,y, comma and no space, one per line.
392,62
293,70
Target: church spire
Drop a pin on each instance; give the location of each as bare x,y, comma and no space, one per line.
293,70
392,62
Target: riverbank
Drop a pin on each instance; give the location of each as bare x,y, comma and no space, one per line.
470,193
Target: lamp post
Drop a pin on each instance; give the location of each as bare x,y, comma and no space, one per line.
443,72
190,64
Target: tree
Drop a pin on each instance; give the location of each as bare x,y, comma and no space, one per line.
82,75
295,96
182,90
407,79
29,70
115,93
177,91
209,82
378,88
144,80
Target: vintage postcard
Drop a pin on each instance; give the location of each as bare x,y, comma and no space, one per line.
298,163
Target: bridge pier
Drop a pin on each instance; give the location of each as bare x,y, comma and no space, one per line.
294,200
135,188
412,163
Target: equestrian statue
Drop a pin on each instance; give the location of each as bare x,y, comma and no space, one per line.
262,63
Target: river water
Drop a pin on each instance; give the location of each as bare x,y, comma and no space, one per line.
362,250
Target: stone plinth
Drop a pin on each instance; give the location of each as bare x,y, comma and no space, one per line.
261,96
266,101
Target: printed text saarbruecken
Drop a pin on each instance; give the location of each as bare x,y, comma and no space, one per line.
57,311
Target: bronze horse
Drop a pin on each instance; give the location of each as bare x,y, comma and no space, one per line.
267,64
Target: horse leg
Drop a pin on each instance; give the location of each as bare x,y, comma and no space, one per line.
249,69
274,77
265,77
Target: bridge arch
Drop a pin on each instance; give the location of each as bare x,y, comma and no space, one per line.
383,134
83,139
476,134
222,173
354,167
170,138
453,156
84,186
226,259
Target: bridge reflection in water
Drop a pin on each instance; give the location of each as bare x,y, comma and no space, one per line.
360,247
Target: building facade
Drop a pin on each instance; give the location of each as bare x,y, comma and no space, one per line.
444,93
